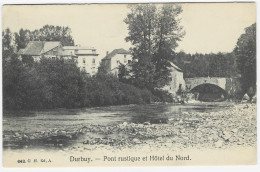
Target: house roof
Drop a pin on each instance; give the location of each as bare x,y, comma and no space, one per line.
67,53
20,51
39,47
78,48
114,52
176,67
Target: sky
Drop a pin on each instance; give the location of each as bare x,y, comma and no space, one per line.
209,27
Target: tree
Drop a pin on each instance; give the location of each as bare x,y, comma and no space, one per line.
8,45
123,73
13,73
245,52
168,33
204,65
154,32
22,38
62,83
46,33
141,25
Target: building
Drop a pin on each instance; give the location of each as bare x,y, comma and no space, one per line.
113,60
38,49
176,80
85,57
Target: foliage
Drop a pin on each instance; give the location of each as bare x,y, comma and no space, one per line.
48,84
104,90
204,65
154,32
245,52
46,33
8,45
162,96
123,73
13,77
60,84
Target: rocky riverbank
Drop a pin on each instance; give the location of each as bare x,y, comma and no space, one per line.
222,129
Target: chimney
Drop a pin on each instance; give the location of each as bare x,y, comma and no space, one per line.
107,52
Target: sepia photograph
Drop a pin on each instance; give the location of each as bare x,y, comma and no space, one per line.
141,84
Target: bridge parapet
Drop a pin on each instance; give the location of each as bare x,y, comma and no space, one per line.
194,82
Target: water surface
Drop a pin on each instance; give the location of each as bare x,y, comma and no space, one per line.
37,121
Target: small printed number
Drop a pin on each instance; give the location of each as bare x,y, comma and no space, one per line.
21,161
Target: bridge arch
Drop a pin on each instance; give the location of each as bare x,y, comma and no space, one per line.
194,82
209,92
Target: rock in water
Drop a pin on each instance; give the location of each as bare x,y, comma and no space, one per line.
254,99
226,135
147,123
219,144
245,98
137,141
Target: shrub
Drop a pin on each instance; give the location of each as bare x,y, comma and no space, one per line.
60,84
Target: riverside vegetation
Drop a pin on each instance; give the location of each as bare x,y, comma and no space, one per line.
60,84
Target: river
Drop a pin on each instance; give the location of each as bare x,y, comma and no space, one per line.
36,121
25,128
120,130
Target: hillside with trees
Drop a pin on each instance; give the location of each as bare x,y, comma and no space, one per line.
207,65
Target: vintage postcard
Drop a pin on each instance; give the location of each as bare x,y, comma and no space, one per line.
101,85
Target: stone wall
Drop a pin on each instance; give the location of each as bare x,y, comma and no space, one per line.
231,85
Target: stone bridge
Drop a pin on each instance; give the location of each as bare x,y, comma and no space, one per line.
227,84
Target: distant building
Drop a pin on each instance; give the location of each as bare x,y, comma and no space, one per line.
176,80
113,60
38,49
85,57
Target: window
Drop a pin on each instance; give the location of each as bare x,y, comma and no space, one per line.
93,70
84,60
93,61
84,69
53,58
125,59
129,61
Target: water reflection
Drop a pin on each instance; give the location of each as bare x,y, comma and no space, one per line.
62,118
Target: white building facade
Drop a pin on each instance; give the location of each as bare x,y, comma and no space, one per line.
113,60
85,57
176,80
